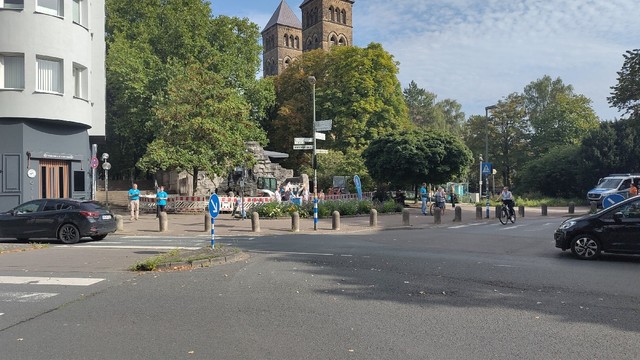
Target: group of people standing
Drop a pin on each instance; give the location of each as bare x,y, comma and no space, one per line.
439,197
134,201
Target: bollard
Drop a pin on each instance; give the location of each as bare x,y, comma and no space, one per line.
478,212
255,222
163,221
335,220
119,223
405,217
544,209
572,208
207,223
295,221
373,218
457,217
594,207
437,216
498,209
521,210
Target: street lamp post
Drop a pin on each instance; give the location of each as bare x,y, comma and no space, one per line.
106,166
486,152
312,81
480,180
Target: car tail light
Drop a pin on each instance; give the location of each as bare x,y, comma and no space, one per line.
90,214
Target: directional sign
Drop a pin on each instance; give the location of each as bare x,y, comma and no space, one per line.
214,206
302,147
611,200
320,136
302,141
323,125
486,168
322,151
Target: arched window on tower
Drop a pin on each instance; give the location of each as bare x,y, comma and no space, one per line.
286,40
342,41
336,15
344,16
308,45
333,40
287,62
291,41
333,15
316,42
297,43
315,16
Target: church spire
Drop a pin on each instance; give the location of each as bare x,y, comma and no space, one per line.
284,15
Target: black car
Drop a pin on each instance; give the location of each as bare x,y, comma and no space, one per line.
64,219
615,229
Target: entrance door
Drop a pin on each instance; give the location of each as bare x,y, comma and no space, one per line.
54,179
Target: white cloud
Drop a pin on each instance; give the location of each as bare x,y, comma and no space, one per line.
478,52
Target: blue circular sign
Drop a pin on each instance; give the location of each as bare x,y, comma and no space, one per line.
611,200
214,205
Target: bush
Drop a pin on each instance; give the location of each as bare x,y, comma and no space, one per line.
389,206
274,210
348,207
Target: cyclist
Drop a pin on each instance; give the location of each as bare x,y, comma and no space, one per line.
507,199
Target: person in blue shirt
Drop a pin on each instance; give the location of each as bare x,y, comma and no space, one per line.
134,202
424,196
161,198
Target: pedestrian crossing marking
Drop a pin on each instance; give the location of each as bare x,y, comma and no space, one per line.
24,297
29,280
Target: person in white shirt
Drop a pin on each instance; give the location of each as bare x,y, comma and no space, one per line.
507,199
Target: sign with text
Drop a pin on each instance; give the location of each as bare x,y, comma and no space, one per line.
302,141
320,136
322,151
302,147
323,125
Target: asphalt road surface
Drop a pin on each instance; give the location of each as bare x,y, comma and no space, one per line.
475,291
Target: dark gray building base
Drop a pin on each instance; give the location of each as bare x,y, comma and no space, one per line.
43,159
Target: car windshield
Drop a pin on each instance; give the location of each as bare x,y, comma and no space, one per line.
91,205
609,183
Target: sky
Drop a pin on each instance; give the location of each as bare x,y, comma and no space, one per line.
477,52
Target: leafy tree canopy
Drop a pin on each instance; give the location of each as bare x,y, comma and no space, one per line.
426,112
625,94
415,156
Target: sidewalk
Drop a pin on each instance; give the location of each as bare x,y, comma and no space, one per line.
225,225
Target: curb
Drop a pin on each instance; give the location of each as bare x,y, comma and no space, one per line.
240,256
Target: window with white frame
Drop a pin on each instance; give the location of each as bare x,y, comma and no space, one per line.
80,82
51,7
11,71
49,75
80,14
11,4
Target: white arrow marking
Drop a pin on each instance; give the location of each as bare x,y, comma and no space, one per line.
214,206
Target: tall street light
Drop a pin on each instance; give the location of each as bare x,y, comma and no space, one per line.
486,152
312,81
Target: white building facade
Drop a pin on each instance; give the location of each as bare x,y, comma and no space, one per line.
52,97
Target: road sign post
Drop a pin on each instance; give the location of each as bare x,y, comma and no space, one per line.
486,170
214,210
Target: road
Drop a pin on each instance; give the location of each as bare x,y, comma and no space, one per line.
479,290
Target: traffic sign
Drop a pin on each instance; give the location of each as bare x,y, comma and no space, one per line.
302,141
323,125
486,168
611,200
94,162
320,136
322,151
214,205
302,147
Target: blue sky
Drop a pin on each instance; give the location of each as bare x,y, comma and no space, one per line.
479,51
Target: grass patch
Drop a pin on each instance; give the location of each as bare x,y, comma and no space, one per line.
22,247
179,256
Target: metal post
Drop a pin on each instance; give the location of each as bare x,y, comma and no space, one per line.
480,181
213,238
94,172
314,160
106,186
486,152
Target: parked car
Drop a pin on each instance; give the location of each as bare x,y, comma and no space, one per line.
68,220
615,229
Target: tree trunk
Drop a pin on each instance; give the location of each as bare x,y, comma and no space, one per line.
195,182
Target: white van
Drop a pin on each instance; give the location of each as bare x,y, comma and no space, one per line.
613,184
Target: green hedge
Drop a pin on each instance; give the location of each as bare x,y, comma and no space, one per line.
326,208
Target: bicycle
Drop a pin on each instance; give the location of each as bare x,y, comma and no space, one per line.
504,215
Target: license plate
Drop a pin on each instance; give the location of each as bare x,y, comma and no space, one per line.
106,217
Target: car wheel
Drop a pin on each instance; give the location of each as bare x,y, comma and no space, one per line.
585,247
69,234
99,237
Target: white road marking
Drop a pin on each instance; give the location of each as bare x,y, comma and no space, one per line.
345,255
466,225
27,280
504,265
512,227
24,297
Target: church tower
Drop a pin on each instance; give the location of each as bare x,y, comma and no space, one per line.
326,23
281,40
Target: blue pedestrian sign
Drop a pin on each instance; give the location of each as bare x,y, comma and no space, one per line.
214,205
486,168
611,200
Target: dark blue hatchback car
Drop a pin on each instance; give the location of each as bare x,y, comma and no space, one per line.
615,229
68,220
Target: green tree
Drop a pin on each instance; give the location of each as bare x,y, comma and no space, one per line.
625,95
357,88
414,156
509,128
336,163
473,135
556,115
426,112
194,131
554,174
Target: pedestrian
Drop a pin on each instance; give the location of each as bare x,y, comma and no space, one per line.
304,193
440,199
134,201
321,196
424,196
633,190
278,196
161,198
453,196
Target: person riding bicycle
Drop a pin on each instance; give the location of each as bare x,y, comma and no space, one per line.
507,199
